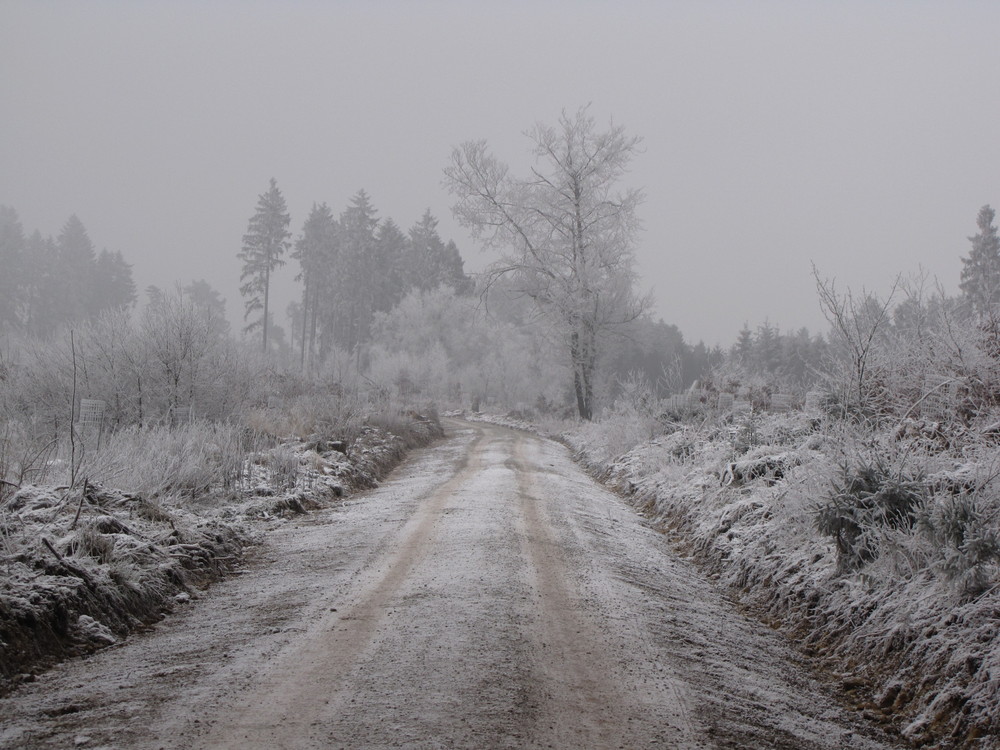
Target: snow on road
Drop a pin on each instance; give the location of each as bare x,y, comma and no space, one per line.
488,595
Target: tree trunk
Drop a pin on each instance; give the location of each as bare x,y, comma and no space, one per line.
305,323
267,288
583,369
312,331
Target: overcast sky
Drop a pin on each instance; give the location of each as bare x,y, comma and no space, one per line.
862,136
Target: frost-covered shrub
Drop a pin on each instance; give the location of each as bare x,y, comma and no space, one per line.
427,374
865,500
745,432
635,417
24,457
969,547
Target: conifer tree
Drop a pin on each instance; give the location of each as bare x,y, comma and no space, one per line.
264,243
743,348
113,284
40,285
12,250
390,279
316,251
430,262
210,303
74,297
980,283
356,270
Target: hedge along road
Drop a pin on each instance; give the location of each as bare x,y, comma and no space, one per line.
489,594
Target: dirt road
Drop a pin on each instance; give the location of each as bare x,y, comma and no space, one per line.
488,595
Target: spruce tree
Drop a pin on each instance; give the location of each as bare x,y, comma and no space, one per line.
356,272
430,262
75,296
316,251
264,243
42,283
980,283
12,250
113,282
390,279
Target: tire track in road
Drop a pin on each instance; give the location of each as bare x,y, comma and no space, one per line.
306,682
585,699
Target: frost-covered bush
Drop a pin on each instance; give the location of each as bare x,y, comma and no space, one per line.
427,374
865,500
968,545
24,456
143,370
635,417
327,412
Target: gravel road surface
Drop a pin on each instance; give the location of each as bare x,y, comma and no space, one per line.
488,595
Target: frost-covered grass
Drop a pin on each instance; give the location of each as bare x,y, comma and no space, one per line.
875,549
185,460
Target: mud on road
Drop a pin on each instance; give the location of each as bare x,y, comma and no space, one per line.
489,594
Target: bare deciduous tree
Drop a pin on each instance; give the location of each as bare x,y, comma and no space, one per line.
855,322
565,233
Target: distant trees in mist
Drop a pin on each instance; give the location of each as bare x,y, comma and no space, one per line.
393,311
357,266
46,283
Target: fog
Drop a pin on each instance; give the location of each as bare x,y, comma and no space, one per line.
861,137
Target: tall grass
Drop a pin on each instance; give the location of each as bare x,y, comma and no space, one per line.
185,460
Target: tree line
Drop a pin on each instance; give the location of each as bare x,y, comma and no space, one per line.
47,282
555,320
352,267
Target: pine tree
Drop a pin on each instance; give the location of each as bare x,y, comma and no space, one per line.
75,297
743,349
113,284
767,348
12,250
41,285
210,303
980,283
316,251
430,262
263,245
390,275
356,272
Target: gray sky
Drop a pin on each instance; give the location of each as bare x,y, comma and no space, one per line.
863,136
